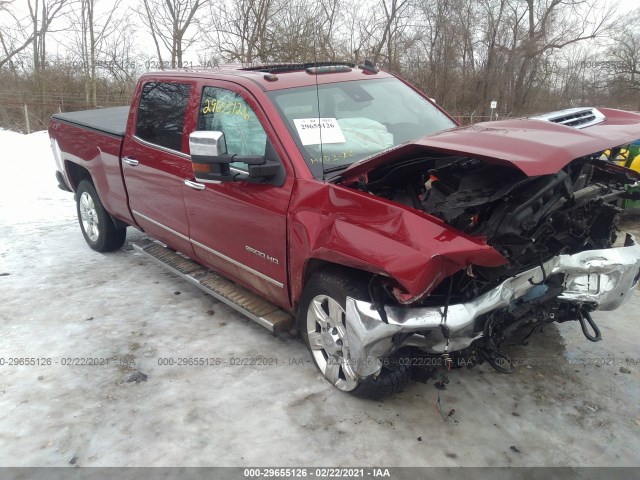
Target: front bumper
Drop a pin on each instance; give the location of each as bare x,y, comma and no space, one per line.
604,279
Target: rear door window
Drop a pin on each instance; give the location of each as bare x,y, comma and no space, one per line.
161,113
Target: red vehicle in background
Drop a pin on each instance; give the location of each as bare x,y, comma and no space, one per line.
339,201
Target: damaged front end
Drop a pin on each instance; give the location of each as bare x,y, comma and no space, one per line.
556,230
566,287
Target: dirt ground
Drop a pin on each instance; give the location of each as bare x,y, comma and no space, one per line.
570,402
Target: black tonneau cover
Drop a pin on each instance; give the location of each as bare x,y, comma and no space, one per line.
108,120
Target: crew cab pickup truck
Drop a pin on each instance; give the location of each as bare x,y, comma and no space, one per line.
340,202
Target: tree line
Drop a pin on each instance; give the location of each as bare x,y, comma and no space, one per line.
527,55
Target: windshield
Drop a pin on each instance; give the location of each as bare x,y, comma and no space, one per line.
349,121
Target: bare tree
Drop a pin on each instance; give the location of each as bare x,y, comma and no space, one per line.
94,30
623,65
303,31
15,35
42,14
552,25
441,43
327,19
121,60
243,29
168,22
391,21
357,37
293,35
530,55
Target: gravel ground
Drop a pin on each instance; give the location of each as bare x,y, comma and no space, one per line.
570,402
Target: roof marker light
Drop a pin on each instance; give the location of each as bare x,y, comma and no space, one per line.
328,69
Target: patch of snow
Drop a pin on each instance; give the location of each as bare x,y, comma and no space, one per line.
29,192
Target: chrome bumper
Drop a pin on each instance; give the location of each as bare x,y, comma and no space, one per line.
603,278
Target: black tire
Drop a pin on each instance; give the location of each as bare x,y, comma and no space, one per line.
97,227
338,284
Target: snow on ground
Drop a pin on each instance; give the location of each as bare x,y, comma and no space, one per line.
572,405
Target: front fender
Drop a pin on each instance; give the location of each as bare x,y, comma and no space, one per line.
341,225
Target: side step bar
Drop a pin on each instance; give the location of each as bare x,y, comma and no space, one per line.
256,308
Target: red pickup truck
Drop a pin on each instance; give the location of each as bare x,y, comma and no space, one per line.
341,202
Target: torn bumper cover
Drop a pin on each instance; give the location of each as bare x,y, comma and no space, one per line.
603,279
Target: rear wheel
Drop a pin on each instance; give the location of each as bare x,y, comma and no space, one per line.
97,227
322,322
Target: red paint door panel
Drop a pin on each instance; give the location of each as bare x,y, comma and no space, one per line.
154,165
155,193
240,228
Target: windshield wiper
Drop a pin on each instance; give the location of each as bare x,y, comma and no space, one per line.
336,168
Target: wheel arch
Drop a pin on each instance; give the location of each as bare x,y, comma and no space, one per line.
315,265
76,173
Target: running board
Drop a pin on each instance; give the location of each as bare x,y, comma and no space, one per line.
256,308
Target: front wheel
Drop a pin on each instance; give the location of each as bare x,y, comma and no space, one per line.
322,322
97,227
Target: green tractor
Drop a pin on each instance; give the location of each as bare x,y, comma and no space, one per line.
630,158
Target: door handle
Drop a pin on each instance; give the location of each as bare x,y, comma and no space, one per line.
195,185
130,161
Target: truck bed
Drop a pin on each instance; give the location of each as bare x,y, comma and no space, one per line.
92,141
106,120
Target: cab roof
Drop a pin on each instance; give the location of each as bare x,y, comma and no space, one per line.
279,76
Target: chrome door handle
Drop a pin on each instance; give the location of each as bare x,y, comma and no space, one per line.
130,161
195,185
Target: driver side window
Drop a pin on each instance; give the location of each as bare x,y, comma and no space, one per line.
227,112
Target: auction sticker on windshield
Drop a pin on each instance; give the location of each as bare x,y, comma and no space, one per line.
311,129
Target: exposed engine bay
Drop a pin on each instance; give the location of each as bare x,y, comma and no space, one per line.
527,219
532,222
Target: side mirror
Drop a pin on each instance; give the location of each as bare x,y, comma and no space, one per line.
204,144
211,162
206,150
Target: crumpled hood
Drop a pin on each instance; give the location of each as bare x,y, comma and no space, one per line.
536,147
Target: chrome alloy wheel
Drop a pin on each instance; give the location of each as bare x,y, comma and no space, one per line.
327,333
89,216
